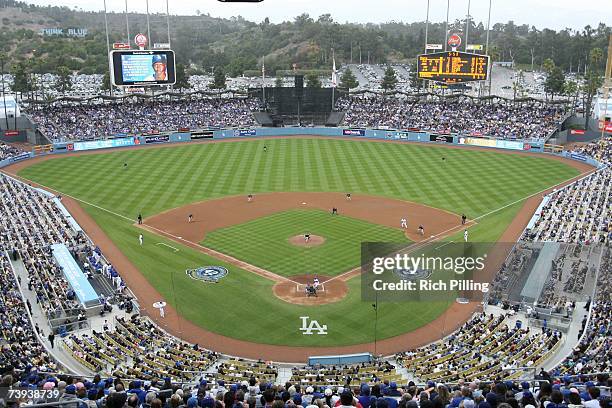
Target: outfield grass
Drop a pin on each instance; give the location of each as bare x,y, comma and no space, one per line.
467,181
255,240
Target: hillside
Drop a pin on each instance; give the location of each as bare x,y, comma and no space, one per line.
203,42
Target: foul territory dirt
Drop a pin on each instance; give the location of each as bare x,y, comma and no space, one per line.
176,325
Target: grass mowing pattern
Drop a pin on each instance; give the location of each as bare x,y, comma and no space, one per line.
469,181
255,240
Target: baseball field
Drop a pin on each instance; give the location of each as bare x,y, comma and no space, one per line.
295,182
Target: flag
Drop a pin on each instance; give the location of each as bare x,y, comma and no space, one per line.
334,78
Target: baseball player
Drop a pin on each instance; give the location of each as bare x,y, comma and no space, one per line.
334,211
190,218
404,223
463,218
139,218
140,239
421,230
348,196
250,198
316,283
465,235
306,237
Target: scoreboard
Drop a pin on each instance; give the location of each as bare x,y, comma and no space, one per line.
452,67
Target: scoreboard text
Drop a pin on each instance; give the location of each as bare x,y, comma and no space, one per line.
452,67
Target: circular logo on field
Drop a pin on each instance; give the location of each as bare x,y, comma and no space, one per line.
412,274
208,273
454,40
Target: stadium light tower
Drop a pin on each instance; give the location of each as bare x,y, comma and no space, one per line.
127,22
445,26
426,28
108,49
467,26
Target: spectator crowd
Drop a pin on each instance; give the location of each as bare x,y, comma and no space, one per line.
98,121
7,151
139,365
500,120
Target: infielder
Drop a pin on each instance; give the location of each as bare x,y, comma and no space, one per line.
404,223
421,230
140,239
190,218
250,198
306,237
348,196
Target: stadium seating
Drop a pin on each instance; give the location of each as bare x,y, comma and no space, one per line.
7,151
509,121
98,121
486,348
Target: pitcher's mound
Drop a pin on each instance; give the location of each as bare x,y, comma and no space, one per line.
294,291
299,240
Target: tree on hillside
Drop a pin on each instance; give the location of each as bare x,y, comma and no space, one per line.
106,83
415,82
593,80
348,80
548,65
21,79
182,79
555,82
218,80
571,91
64,82
389,81
312,80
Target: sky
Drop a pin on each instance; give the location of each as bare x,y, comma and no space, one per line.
555,14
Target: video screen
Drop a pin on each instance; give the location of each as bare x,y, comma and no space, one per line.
143,68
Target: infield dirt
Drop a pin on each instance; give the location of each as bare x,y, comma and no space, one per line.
453,318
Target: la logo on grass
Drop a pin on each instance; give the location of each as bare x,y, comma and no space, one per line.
312,327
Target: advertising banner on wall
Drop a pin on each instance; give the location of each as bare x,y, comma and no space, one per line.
510,144
441,138
203,134
157,139
245,132
353,132
475,141
104,144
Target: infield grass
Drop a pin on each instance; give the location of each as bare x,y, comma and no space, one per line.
242,305
255,240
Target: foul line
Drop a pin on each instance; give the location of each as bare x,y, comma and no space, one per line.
169,246
218,255
353,272
272,276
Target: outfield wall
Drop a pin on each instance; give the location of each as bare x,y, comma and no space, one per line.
247,133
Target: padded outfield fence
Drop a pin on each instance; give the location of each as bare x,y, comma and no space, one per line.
187,135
